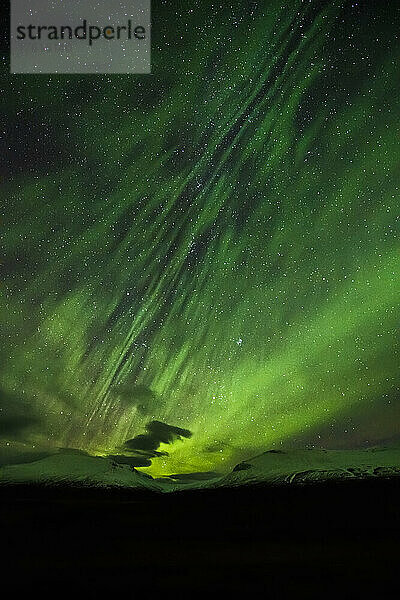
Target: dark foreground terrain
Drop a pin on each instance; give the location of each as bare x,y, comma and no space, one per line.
335,539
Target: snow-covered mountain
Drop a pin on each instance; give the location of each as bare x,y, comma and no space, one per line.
271,467
78,469
307,466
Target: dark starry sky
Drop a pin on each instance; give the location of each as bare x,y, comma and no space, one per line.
211,247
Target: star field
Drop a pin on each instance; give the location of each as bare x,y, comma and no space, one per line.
212,246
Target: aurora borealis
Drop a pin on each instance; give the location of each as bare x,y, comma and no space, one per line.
212,246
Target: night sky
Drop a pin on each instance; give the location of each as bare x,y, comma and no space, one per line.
200,264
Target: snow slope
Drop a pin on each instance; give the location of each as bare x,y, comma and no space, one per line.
78,468
306,466
271,467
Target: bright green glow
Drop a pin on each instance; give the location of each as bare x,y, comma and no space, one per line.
246,274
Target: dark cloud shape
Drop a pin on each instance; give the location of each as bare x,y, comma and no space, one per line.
146,444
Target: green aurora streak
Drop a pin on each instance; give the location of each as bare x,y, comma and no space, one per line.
220,232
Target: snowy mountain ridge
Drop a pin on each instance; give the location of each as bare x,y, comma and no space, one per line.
271,467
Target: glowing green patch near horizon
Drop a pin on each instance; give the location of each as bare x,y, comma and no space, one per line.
212,246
